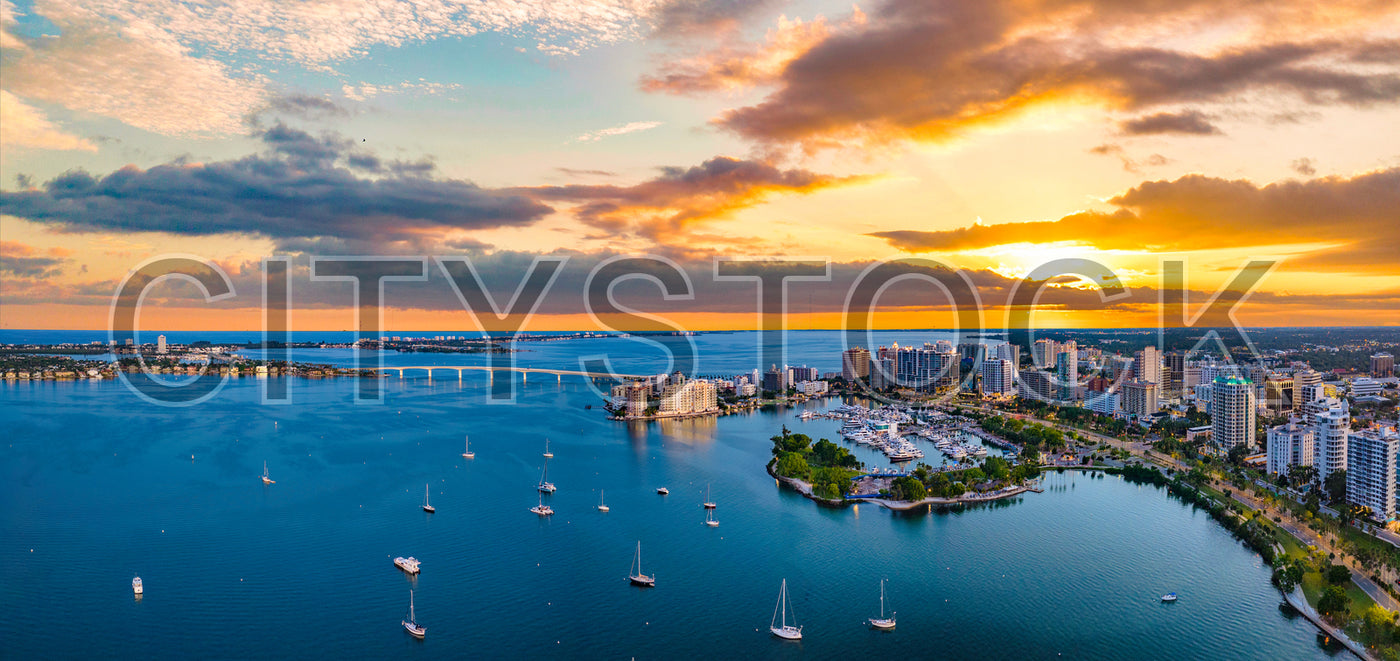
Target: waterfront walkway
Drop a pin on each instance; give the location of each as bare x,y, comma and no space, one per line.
1296,600
524,371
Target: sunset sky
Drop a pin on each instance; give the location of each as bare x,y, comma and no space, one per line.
988,135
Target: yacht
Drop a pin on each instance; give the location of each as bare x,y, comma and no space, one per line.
265,478
545,485
542,509
662,490
709,504
411,624
467,448
547,453
426,507
602,507
409,564
710,519
784,630
1169,597
882,623
635,574
136,585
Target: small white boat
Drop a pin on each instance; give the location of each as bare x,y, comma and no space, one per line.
710,519
547,453
635,574
882,623
426,507
784,630
542,509
545,486
409,564
663,490
1169,597
709,504
467,448
601,506
411,624
136,585
265,478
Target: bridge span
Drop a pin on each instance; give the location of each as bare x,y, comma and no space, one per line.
524,371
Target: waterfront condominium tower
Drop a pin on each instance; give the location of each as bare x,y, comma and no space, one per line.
1331,422
1371,471
1232,411
998,379
855,363
1290,445
1147,366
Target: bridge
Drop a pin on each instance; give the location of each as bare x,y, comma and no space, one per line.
525,372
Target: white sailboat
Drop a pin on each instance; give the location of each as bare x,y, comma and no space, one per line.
635,573
781,628
710,519
265,478
602,507
545,485
709,504
882,623
547,453
426,507
542,509
467,448
411,624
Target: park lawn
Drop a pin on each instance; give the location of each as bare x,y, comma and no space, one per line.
1314,584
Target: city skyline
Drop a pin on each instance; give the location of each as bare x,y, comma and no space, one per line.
990,137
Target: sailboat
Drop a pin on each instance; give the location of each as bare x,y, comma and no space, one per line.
426,507
635,574
542,509
545,485
547,453
601,506
709,504
411,624
882,623
467,448
784,630
710,519
266,479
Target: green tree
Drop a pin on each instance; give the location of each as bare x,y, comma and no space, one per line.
908,488
1333,603
996,468
1336,485
1378,625
793,464
1338,574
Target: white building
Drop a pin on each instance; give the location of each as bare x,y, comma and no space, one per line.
1289,445
1147,365
811,387
1103,403
686,396
1330,420
1363,386
1371,472
998,378
1140,398
1232,412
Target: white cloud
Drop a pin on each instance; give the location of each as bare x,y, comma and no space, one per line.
594,136
139,76
22,125
365,91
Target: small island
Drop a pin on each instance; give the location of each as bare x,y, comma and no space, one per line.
829,474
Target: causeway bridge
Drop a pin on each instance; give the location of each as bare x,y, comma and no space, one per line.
525,372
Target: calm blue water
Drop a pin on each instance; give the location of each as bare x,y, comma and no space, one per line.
98,485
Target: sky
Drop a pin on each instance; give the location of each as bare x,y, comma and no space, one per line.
973,141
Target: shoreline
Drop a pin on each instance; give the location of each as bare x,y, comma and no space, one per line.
805,489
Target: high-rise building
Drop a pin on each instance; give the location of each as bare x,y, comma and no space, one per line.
1371,458
685,396
1232,412
855,363
998,380
1010,352
1330,419
1147,366
777,380
1043,353
882,374
1103,402
1067,371
160,344
1305,378
1174,370
1139,398
1382,365
1290,445
1036,384
1362,387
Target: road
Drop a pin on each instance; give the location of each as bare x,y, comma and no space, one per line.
1294,527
